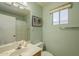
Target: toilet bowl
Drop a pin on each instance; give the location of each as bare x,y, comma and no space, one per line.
44,53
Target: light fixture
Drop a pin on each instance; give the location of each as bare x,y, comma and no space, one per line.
9,3
23,3
15,4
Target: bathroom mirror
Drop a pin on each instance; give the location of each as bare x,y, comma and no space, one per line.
7,29
13,26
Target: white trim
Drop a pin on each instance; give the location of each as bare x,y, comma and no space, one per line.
67,5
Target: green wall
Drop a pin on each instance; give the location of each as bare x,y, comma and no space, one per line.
61,42
21,29
35,32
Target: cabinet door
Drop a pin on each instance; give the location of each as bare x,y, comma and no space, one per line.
7,29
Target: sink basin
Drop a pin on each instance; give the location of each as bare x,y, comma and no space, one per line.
18,52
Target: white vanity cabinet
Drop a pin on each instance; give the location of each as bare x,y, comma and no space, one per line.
30,50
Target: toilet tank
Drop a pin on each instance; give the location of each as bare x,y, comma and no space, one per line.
39,44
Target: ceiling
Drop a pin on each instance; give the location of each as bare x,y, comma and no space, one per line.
42,4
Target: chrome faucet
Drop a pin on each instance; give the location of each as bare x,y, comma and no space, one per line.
20,46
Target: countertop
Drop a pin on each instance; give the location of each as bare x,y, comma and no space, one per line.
30,50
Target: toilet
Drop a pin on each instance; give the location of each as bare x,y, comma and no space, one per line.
44,53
